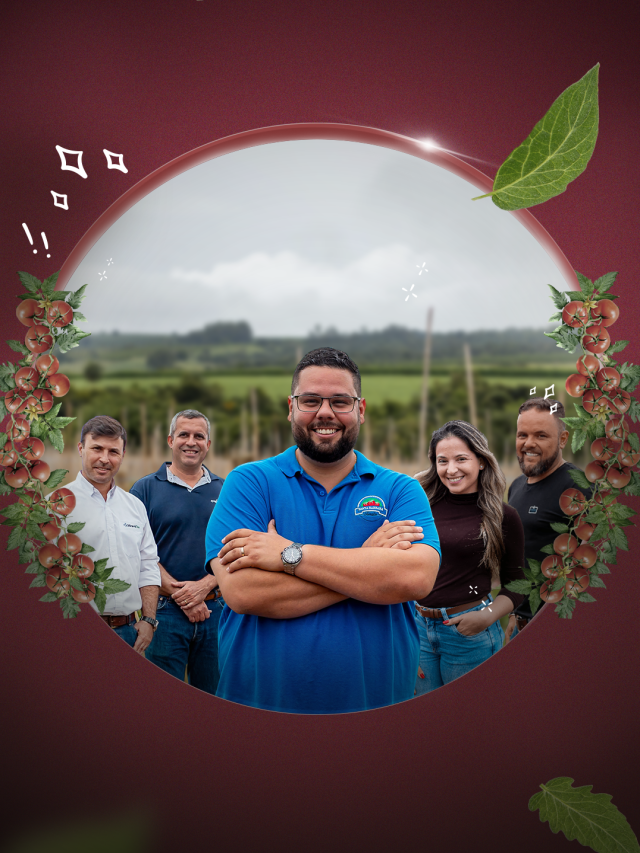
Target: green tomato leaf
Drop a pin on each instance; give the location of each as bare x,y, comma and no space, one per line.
565,607
16,538
579,478
56,477
548,549
29,282
559,527
586,285
35,568
534,599
57,442
77,296
577,440
60,423
617,346
596,581
605,281
556,151
70,608
52,413
115,585
534,565
76,584
558,298
100,600
634,410
601,568
521,586
18,346
99,565
51,282
38,580
86,548
618,538
591,819
584,596
75,526
49,596
609,552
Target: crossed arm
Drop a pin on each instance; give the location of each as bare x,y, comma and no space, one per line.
385,570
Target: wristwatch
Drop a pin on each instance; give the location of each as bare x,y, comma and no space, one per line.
153,622
291,557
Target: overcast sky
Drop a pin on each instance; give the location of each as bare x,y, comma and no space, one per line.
292,235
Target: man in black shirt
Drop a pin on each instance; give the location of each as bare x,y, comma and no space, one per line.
540,439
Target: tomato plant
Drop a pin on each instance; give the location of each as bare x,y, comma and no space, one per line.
51,528
58,580
596,339
617,428
49,556
588,365
577,580
585,555
32,449
576,384
618,477
70,544
628,458
551,566
606,311
584,530
14,400
620,401
88,592
572,502
608,378
60,314
9,455
58,384
26,378
594,471
550,595
575,314
63,501
603,449
83,565
47,364
16,477
565,544
40,471
38,339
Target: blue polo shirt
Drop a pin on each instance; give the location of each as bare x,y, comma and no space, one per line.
178,518
351,656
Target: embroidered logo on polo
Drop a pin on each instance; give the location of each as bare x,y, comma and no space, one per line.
371,507
533,510
137,526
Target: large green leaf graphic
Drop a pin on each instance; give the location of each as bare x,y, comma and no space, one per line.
592,819
556,151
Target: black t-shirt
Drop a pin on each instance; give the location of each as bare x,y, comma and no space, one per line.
538,504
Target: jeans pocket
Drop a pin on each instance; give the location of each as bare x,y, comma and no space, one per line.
162,603
470,636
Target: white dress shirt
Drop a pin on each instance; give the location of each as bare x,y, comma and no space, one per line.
119,530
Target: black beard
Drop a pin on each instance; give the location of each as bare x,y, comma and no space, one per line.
333,453
540,467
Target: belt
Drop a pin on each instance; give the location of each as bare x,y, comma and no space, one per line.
435,613
119,621
214,595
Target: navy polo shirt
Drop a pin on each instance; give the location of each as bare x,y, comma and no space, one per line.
351,656
178,519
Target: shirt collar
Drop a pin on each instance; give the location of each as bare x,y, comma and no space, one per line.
290,467
89,489
173,478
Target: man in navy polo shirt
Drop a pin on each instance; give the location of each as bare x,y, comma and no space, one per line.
179,499
319,620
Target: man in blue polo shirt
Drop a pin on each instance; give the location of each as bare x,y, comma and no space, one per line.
179,499
319,590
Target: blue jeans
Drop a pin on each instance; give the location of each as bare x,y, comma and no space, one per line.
445,654
128,633
179,644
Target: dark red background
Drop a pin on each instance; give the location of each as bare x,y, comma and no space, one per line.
91,729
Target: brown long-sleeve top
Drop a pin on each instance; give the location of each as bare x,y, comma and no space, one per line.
461,576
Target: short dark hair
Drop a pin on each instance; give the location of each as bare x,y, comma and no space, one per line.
328,357
545,406
190,414
105,426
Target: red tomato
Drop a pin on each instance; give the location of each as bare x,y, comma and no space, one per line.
627,456
63,501
38,402
604,448
28,312
565,544
27,378
575,314
9,456
551,566
572,502
58,384
608,378
32,449
576,384
618,477
51,529
70,544
38,339
606,312
88,592
19,429
83,564
49,556
60,313
620,401
584,530
594,472
547,594
617,427
47,364
16,477
58,580
594,402
596,339
14,399
585,555
41,471
588,364
578,580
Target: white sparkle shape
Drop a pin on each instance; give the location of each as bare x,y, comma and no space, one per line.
549,392
533,390
472,589
78,168
422,268
60,200
409,293
553,409
109,261
102,274
111,164
486,606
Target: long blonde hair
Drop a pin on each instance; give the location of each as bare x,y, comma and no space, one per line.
491,486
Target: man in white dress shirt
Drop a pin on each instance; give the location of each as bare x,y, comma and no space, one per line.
117,526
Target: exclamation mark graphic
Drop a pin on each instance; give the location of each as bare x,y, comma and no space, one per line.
30,238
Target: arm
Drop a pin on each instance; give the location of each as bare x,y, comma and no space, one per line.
149,596
276,595
188,595
376,575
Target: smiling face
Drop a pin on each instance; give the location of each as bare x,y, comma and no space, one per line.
101,459
189,443
325,436
458,467
540,438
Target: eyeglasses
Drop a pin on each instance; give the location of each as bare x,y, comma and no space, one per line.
313,402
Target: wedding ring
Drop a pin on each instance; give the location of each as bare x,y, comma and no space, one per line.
242,550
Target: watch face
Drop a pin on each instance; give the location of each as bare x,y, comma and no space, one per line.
292,554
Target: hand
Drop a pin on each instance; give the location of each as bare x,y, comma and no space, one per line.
145,635
470,624
395,534
199,613
190,593
261,550
511,626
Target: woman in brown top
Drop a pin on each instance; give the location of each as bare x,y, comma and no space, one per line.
481,539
